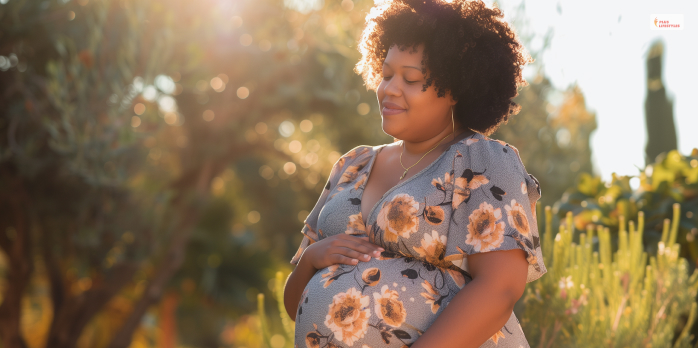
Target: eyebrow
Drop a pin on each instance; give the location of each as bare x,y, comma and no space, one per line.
404,66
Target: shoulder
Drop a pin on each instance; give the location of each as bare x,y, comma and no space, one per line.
494,155
498,159
351,156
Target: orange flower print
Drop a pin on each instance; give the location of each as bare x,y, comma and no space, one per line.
339,189
308,231
352,172
312,340
355,225
516,215
371,276
443,184
471,141
330,276
388,307
524,189
485,231
348,316
399,217
360,181
468,181
457,277
497,335
433,297
433,249
434,214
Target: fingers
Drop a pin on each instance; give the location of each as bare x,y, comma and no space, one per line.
350,249
339,258
364,241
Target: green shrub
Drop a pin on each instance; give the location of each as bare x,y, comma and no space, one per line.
673,178
608,298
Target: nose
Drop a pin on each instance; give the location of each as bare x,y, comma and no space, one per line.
392,88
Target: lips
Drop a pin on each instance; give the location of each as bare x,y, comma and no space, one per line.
390,105
391,108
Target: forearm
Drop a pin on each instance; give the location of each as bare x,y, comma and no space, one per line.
474,314
295,284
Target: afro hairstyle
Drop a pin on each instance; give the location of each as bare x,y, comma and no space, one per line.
468,50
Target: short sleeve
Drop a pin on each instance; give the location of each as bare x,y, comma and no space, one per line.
310,232
493,205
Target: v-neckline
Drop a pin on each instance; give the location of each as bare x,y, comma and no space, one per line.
369,170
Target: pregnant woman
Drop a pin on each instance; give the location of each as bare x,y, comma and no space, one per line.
428,241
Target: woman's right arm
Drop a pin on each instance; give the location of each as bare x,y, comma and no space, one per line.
342,248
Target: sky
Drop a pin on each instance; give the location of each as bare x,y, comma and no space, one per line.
602,46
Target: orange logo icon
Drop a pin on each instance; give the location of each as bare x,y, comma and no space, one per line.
655,21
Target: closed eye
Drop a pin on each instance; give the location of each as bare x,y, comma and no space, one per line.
388,78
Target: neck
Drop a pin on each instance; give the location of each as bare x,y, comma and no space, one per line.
420,147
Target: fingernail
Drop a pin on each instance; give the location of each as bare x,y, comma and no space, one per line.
376,253
354,260
366,256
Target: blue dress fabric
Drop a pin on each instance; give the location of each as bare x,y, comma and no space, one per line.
475,197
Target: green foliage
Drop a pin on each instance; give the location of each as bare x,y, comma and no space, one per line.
606,298
673,178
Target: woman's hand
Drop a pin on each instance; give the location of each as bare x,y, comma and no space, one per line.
342,248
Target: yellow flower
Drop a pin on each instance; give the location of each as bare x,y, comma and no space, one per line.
312,340
517,217
484,231
352,172
433,297
388,307
434,214
355,225
433,249
362,179
399,217
463,185
328,278
371,276
496,336
348,316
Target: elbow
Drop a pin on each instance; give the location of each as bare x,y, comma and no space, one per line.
513,295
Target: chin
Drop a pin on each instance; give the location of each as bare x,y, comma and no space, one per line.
392,128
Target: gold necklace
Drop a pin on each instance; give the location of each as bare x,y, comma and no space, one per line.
403,150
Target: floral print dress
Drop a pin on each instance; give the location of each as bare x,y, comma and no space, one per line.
476,197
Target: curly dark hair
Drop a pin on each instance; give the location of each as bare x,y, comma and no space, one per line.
468,49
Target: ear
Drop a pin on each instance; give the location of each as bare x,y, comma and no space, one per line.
452,101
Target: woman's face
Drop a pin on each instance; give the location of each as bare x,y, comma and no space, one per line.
407,112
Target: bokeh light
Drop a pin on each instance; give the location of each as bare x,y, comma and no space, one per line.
306,126
243,92
253,217
286,128
295,146
289,168
260,127
139,109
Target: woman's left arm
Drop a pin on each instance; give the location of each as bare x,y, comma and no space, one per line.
483,306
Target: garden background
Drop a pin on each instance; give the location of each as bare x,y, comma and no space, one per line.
157,159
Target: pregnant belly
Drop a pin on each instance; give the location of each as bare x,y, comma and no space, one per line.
381,302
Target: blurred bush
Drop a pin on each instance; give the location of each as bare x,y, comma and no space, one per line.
672,178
